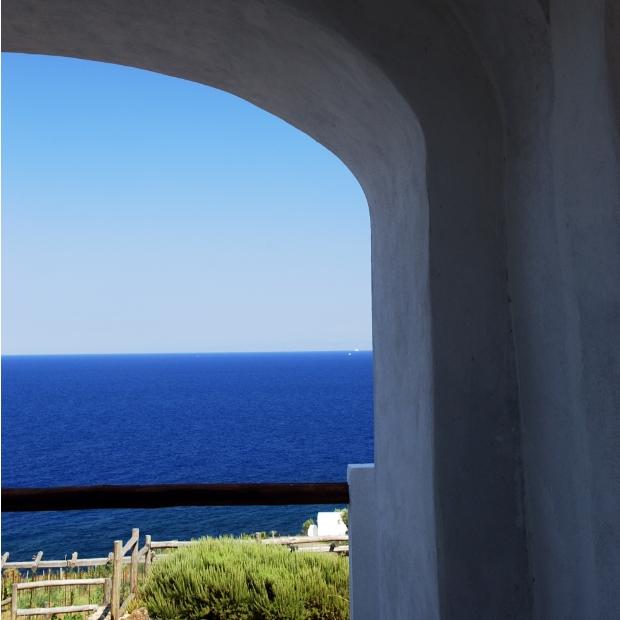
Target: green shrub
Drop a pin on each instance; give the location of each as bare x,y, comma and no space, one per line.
229,579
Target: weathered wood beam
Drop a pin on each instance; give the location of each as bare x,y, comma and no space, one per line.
167,495
29,585
52,611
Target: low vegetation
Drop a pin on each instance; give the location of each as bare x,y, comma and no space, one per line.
306,526
241,580
344,513
236,579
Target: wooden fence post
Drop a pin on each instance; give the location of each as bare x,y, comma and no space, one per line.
117,580
107,592
133,573
148,557
14,602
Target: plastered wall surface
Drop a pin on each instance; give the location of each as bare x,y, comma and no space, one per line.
485,136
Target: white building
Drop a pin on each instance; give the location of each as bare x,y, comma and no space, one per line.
330,524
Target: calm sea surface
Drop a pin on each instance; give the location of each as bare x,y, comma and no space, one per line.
79,420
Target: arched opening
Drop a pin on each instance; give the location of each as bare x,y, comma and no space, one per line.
313,78
140,218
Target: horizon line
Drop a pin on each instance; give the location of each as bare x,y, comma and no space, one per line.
134,353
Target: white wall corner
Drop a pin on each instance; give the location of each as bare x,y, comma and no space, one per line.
363,577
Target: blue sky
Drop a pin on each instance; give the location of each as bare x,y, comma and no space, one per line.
142,213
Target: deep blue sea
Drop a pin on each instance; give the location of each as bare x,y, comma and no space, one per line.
121,419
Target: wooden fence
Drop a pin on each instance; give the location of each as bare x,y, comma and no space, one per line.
16,611
119,592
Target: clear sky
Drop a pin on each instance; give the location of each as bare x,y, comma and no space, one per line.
143,213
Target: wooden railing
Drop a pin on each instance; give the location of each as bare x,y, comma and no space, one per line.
167,495
72,562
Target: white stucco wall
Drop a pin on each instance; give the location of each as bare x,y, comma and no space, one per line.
485,136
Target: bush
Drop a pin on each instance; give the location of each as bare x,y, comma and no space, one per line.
236,580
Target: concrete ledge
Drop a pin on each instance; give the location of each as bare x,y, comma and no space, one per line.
363,543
